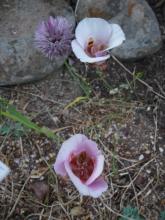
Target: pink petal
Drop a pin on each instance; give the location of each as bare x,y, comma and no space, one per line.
80,54
81,187
99,165
60,168
73,144
117,36
91,148
4,171
94,190
98,187
97,28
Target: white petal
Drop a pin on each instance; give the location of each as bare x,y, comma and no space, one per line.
69,146
98,187
95,189
81,187
97,28
4,171
80,54
97,170
117,36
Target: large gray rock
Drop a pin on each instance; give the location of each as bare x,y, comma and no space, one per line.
20,62
97,8
137,20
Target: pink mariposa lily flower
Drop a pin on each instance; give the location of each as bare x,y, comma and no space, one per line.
94,38
80,159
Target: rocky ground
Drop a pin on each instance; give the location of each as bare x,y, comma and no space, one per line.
125,115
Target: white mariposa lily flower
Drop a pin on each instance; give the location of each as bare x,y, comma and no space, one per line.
4,171
94,38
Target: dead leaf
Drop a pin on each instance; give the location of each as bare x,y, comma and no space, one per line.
36,174
77,211
40,189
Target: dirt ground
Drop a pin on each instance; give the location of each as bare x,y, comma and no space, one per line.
125,115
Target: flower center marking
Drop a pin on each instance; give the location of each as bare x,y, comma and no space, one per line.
95,49
82,165
90,43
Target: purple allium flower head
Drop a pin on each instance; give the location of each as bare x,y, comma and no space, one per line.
53,37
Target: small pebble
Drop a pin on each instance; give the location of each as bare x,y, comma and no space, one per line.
149,108
52,155
141,157
147,152
161,149
47,158
33,156
152,137
17,160
148,171
27,160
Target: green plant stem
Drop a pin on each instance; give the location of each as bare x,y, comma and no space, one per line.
9,111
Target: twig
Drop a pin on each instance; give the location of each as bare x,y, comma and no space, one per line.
133,180
161,89
42,97
133,165
63,208
143,190
141,81
77,3
18,198
21,145
38,215
41,214
156,128
160,3
136,197
50,214
114,212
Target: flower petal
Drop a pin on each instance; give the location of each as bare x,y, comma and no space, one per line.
53,37
117,36
60,168
73,144
94,190
98,187
91,148
81,187
4,171
99,165
80,54
97,28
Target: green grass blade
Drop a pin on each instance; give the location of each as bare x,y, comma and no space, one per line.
79,79
9,111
